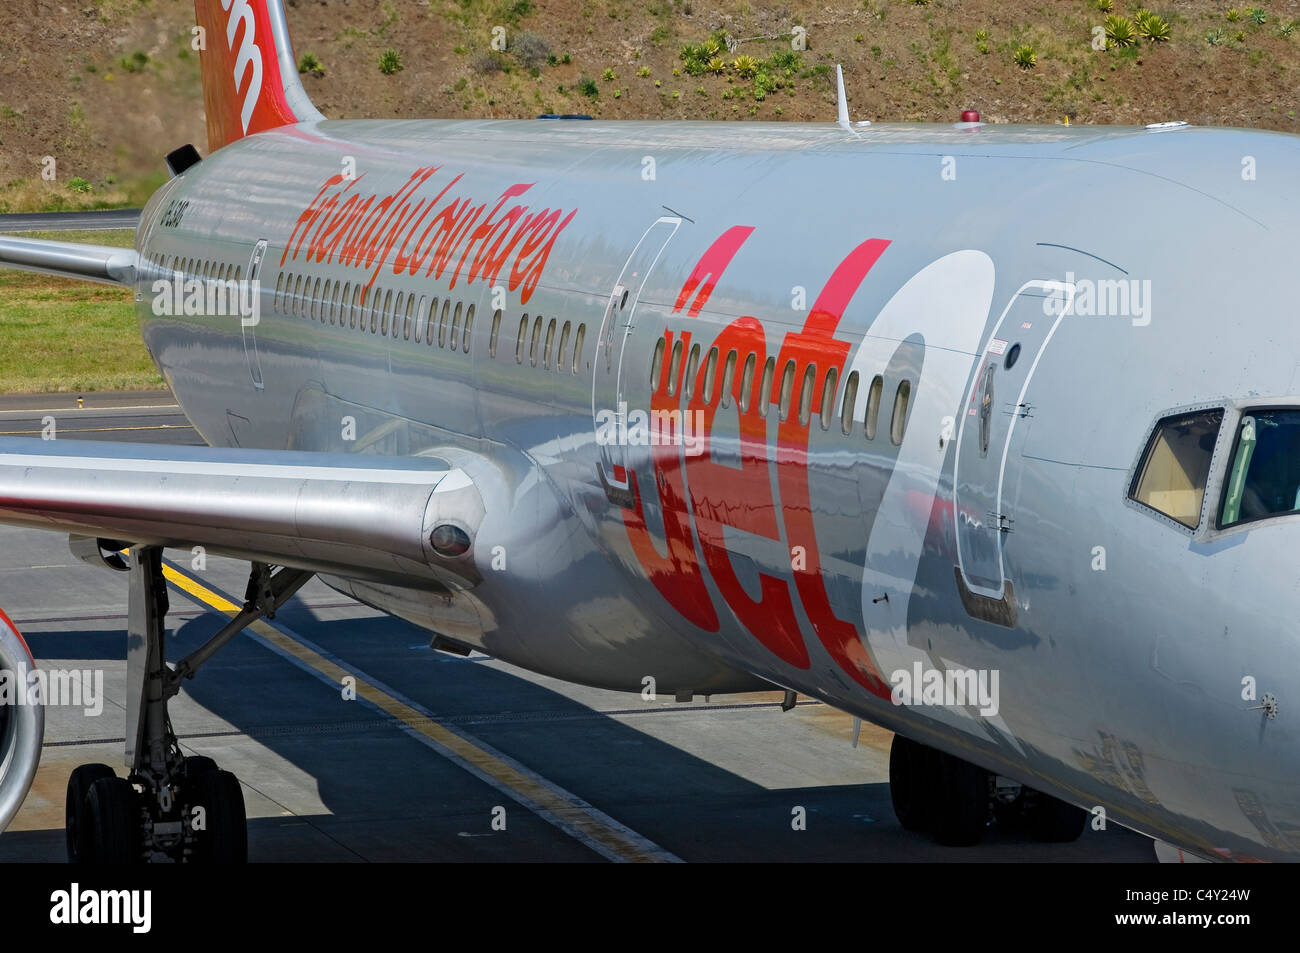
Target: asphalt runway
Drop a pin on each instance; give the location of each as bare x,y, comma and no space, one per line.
436,753
45,221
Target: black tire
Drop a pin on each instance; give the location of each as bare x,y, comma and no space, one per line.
197,764
910,784
74,808
224,839
961,802
112,823
1053,821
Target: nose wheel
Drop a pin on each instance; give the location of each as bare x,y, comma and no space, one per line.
954,800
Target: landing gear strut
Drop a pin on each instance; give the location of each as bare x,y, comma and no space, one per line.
169,807
954,800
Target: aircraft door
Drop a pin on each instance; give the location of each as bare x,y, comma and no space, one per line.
994,405
608,392
248,323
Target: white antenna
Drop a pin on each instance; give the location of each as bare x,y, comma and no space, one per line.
842,112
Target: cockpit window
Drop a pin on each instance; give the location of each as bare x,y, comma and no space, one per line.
1264,478
1176,466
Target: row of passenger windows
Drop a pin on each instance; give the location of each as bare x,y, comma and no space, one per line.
381,311
448,323
201,268
827,411
551,348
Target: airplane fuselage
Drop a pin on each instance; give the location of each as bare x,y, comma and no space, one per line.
554,306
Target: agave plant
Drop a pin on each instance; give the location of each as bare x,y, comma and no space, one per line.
1286,29
1151,27
1025,56
1258,15
1105,6
746,66
717,65
1120,31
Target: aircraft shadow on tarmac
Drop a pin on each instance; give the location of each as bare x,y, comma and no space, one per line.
389,797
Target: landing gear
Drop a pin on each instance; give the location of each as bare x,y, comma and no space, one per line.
170,808
936,793
954,800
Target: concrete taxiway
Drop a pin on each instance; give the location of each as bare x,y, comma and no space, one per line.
357,742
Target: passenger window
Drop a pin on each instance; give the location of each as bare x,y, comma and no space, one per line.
279,290
469,326
562,349
297,297
577,347
455,326
828,397
873,406
898,422
496,331
728,377
537,336
850,400
710,369
430,321
519,343
356,304
674,365
442,323
550,342
656,364
410,315
1264,479
325,302
1176,465
388,311
315,299
692,367
787,390
747,383
806,395
765,386
335,314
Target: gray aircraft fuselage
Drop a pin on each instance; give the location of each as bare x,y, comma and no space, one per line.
968,512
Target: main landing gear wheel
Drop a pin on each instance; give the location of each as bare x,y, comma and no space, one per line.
224,836
112,831
170,807
76,823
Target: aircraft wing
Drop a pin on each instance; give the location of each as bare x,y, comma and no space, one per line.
102,263
406,521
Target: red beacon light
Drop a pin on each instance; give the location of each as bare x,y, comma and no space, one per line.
970,115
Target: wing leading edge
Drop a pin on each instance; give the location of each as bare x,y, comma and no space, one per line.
383,519
102,263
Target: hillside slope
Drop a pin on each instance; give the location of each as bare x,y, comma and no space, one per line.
106,87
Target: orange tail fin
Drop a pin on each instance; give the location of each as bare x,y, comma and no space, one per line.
250,80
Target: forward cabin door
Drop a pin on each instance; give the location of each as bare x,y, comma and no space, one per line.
609,382
248,325
995,405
